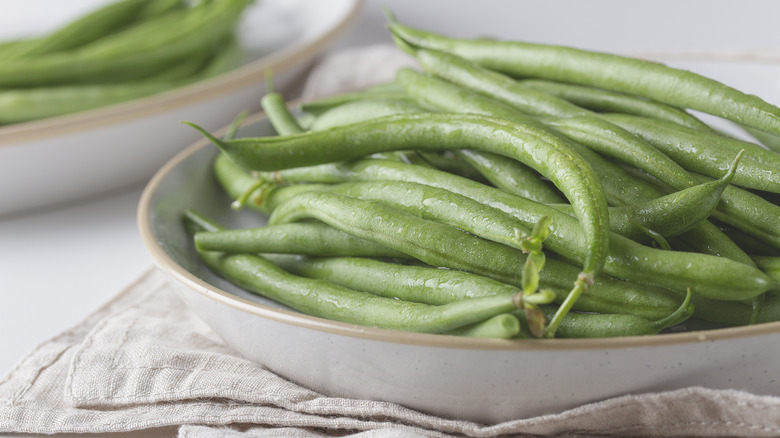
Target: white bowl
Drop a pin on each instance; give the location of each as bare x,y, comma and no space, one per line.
487,381
71,157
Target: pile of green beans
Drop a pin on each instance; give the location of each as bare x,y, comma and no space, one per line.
119,52
576,183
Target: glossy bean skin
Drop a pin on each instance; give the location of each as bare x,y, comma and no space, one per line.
672,86
706,153
295,238
327,300
668,215
537,148
600,100
511,176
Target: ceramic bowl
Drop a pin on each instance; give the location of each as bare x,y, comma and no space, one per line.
71,157
487,381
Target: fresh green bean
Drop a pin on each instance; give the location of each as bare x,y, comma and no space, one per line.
278,115
594,325
294,238
669,215
363,110
736,313
705,153
669,85
502,326
606,101
386,91
511,176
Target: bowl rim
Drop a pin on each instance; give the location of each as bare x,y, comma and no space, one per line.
280,60
177,273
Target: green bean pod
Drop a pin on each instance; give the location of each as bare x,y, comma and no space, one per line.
511,176
669,85
606,101
386,91
294,238
363,110
668,215
705,153
278,115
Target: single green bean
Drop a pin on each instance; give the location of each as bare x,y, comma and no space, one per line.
706,153
363,110
597,99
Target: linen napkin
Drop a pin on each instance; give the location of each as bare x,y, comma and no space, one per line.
144,362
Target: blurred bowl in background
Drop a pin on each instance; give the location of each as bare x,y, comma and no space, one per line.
72,157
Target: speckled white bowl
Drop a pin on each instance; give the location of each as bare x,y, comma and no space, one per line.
487,381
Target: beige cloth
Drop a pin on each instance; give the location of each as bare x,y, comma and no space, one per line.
145,362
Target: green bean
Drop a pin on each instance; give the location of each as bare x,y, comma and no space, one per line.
136,52
386,91
86,29
511,176
736,313
294,238
590,325
704,153
669,215
770,265
278,115
596,99
502,326
363,110
624,188
537,148
669,85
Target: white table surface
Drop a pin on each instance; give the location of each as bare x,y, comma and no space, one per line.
59,264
